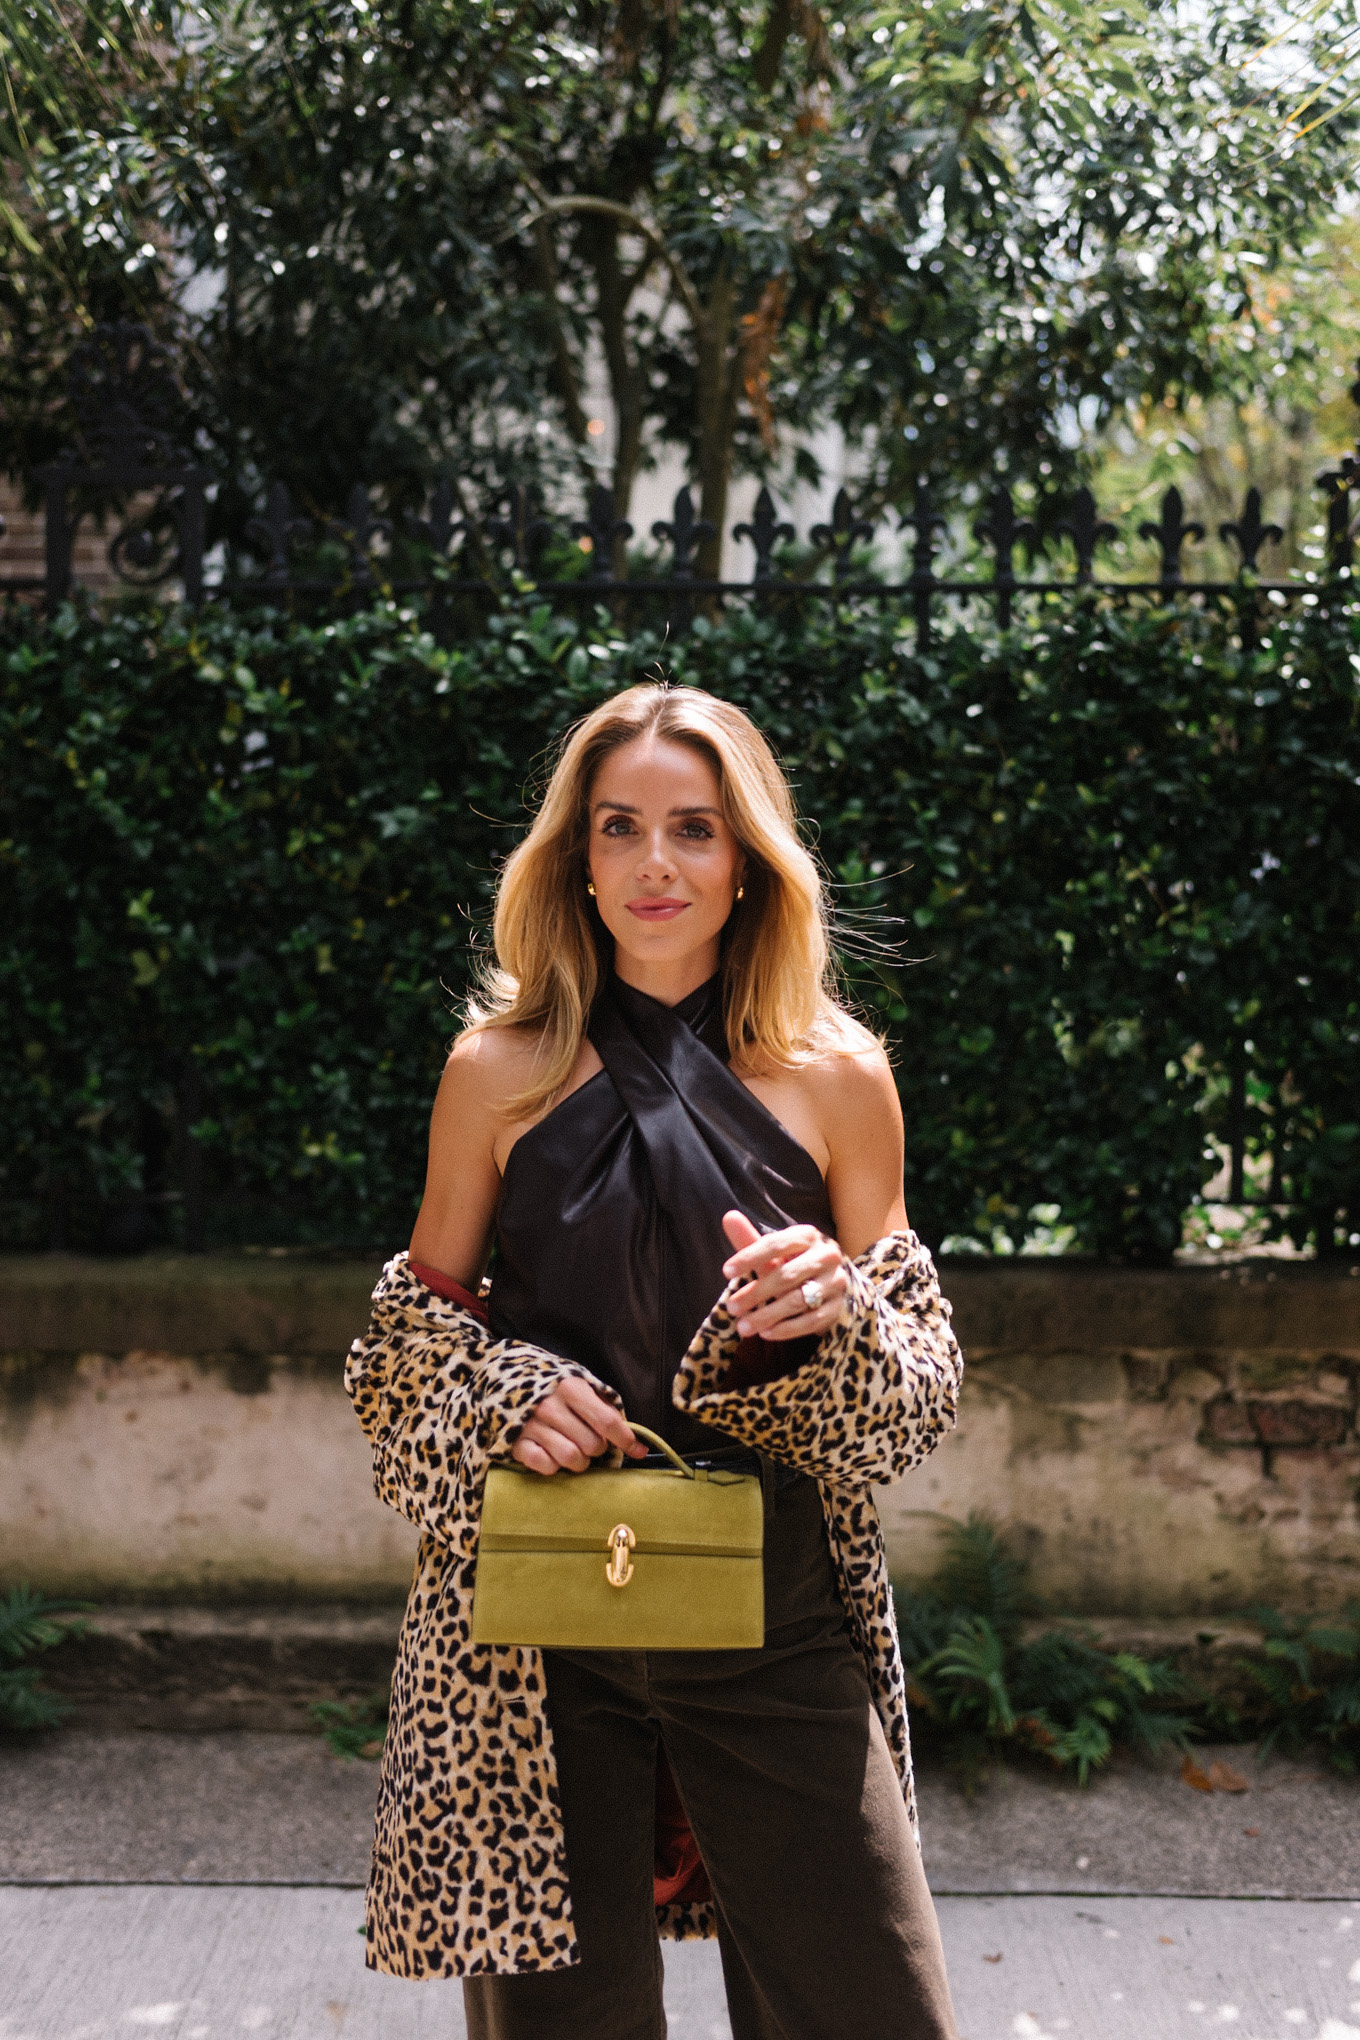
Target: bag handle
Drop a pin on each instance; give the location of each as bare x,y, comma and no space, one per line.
653,1438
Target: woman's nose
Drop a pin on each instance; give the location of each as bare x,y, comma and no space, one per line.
656,860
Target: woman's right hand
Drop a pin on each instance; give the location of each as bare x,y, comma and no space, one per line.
571,1427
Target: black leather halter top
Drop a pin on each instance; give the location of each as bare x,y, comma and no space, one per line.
610,1231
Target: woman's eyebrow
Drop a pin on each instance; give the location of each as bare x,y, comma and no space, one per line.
622,807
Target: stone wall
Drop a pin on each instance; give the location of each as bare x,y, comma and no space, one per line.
1177,1443
178,1429
1173,1443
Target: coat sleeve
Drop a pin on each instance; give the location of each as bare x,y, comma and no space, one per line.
878,1393
440,1400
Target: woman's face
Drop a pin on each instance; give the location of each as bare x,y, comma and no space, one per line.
664,862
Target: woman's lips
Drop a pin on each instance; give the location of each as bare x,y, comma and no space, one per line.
657,910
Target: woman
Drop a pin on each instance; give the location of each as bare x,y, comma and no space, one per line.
690,1160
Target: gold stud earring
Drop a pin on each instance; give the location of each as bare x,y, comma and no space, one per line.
741,891
590,887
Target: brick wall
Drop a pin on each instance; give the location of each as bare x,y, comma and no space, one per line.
22,543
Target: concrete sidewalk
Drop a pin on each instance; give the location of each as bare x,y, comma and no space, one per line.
207,1887
244,1808
112,1963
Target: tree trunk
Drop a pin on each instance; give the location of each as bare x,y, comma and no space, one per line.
716,419
613,289
564,374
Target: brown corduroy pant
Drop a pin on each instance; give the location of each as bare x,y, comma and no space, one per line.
826,1926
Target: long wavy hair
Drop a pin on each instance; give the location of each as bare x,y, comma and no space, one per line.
552,951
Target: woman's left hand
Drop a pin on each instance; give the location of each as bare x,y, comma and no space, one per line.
772,1268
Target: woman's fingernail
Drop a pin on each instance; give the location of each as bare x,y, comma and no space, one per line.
744,1327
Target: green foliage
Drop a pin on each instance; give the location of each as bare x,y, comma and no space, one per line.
412,225
1303,1691
1286,417
353,1728
27,1628
983,1691
260,852
978,1573
85,181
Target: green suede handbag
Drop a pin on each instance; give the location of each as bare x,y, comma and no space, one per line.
622,1558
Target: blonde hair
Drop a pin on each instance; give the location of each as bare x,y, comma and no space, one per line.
779,1002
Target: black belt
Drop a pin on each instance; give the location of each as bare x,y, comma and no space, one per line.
773,1476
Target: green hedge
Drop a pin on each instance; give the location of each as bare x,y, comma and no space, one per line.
247,860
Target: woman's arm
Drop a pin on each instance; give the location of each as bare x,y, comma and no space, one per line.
862,1120
462,1182
441,1400
855,1103
879,1386
878,1392
573,1424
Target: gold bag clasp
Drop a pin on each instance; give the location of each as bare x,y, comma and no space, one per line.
619,1543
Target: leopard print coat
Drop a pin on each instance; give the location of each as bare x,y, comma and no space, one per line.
469,1870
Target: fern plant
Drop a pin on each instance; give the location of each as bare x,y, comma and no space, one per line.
985,1689
26,1629
1307,1687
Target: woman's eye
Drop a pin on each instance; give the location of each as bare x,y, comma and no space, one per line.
617,825
698,832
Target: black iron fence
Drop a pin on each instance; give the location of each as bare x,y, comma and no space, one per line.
122,389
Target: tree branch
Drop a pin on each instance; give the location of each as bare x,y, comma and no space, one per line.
778,28
635,276
605,208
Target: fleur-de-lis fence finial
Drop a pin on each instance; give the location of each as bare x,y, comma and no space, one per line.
1338,482
439,529
765,532
684,533
604,530
522,530
1248,533
1087,530
1003,532
1171,534
842,535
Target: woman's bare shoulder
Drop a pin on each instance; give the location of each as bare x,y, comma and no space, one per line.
851,1074
855,1078
861,1117
488,1066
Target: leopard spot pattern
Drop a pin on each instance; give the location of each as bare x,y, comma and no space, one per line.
469,1871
